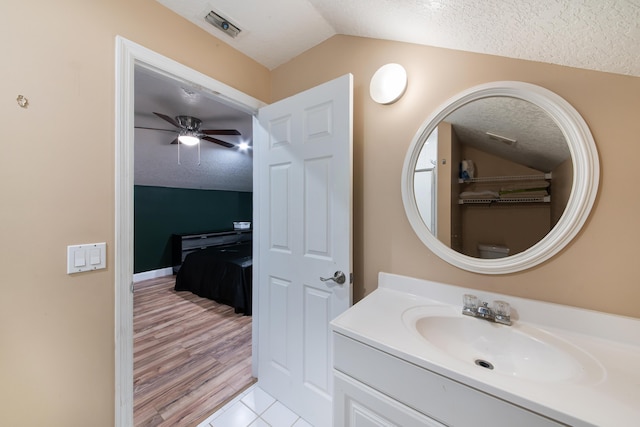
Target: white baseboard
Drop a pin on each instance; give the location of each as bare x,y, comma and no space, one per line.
146,275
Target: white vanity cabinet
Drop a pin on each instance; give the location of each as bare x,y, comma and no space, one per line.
357,405
373,388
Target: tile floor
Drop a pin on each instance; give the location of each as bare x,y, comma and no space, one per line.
254,408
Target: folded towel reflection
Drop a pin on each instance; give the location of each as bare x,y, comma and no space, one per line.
525,185
485,194
524,195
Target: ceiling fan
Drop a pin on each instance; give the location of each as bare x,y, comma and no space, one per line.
189,132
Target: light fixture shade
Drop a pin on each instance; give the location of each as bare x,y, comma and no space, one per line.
188,139
388,84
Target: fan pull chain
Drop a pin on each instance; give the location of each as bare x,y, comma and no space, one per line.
179,144
199,144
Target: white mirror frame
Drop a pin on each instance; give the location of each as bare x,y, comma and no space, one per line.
586,175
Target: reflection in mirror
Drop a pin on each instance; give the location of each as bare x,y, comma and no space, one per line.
489,132
493,177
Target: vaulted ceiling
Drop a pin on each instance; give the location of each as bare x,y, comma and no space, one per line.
602,35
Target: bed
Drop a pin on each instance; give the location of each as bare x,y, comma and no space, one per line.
221,273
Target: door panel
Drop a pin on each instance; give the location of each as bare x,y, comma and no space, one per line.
316,334
317,181
279,291
279,207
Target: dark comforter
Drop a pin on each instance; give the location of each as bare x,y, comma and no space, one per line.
221,273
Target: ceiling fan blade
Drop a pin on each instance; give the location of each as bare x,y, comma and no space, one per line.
220,132
217,141
175,141
169,119
165,130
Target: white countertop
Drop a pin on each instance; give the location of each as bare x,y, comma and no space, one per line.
608,394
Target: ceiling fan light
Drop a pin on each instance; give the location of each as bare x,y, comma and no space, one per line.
188,138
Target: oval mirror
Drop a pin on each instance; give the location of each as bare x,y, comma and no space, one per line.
500,178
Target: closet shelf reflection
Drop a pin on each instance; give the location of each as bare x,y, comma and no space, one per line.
543,176
510,196
545,199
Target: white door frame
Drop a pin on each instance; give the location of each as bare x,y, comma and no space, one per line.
128,56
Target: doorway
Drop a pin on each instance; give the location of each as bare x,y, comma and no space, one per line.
130,55
191,353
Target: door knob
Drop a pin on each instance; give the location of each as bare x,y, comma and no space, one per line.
338,277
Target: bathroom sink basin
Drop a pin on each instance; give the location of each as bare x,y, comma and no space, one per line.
520,350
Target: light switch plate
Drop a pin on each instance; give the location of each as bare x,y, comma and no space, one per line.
86,257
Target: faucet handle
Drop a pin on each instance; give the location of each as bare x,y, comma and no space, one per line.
502,308
502,312
470,304
470,301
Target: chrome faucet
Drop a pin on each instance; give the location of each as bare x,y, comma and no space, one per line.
500,312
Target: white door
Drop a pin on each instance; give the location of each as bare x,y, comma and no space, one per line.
303,156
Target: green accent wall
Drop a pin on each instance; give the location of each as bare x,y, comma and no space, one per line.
160,212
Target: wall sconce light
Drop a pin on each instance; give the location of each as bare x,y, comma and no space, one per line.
388,84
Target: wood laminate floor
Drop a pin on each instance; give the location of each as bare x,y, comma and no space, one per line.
191,355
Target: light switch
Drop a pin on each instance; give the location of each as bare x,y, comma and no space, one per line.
78,258
94,257
90,256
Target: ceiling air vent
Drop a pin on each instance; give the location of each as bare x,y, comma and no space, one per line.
503,139
222,24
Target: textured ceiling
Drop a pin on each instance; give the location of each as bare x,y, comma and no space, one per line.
540,144
602,35
156,159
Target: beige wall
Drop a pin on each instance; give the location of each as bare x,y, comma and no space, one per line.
57,188
596,271
57,182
